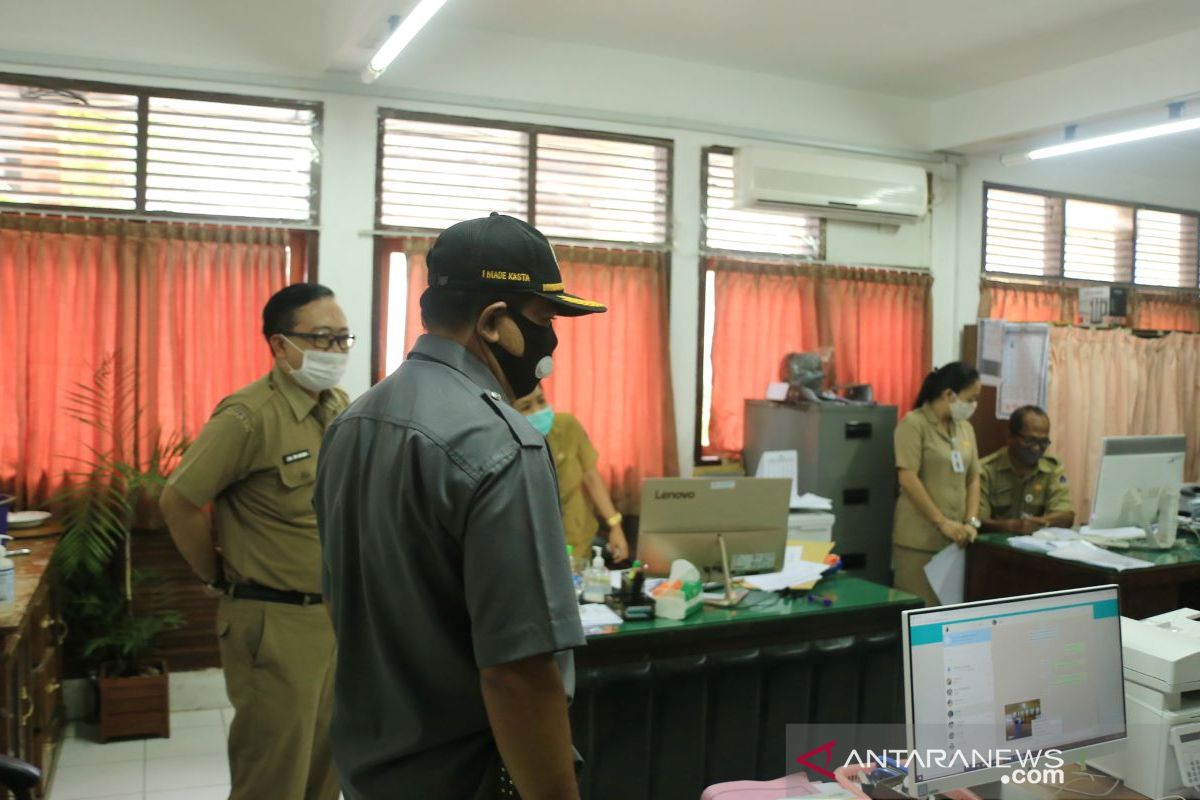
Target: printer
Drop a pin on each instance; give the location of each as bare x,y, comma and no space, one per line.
1162,706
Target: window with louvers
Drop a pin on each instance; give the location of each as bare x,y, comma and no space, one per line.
748,230
70,146
212,158
1023,233
435,172
1098,244
1165,250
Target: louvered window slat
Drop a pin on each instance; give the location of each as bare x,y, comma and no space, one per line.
776,233
1165,252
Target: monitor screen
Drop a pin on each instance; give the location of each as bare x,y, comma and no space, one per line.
1023,674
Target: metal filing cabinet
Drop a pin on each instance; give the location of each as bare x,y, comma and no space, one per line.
844,453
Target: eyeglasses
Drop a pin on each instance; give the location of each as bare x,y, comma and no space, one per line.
326,341
1030,441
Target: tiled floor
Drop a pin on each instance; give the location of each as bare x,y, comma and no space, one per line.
191,765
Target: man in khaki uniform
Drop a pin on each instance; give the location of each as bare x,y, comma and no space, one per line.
255,461
1023,489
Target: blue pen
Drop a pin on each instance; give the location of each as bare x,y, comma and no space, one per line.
816,598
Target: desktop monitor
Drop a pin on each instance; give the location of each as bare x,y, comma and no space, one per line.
989,685
1138,484
683,517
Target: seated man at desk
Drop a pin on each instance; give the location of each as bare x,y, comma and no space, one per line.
1022,489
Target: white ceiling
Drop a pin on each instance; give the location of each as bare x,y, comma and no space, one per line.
929,49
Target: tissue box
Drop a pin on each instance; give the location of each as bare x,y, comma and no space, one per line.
678,603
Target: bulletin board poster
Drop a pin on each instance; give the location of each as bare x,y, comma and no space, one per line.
1025,368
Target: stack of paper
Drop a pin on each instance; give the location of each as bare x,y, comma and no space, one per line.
1116,534
795,573
785,464
1089,553
598,615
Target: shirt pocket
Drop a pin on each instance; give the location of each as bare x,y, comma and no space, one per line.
1002,502
299,474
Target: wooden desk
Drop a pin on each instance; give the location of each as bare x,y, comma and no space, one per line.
996,569
32,632
664,708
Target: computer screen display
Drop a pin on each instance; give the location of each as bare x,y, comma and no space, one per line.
1023,674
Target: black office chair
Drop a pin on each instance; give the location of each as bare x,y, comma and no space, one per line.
19,777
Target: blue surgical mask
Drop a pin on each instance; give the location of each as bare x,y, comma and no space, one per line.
542,420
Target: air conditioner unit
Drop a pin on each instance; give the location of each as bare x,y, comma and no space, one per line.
839,187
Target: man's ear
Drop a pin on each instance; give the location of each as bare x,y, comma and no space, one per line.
487,325
277,345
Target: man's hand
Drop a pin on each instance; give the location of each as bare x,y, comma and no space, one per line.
617,544
957,532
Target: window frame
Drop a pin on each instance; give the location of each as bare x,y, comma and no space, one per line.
533,131
143,94
1060,278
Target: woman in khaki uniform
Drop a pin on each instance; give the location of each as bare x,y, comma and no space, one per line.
937,463
580,487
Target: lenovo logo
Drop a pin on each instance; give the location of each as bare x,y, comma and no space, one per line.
674,495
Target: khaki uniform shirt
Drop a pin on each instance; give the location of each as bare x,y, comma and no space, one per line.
574,457
1007,495
255,460
924,446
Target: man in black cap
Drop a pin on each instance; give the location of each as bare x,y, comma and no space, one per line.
445,564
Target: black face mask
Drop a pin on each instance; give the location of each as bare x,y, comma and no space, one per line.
524,372
1027,456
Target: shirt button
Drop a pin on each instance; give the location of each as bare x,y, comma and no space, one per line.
495,396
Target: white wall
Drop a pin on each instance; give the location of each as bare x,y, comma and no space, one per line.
1160,173
694,105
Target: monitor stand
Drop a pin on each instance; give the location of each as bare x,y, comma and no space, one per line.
732,596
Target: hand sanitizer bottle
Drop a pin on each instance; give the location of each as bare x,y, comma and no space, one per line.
8,576
596,584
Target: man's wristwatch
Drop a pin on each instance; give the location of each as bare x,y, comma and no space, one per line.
975,523
614,520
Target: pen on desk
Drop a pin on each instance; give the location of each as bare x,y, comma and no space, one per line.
24,551
821,599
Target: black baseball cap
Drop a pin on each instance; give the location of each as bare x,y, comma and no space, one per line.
503,253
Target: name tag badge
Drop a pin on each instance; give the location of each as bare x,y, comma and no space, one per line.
956,461
299,455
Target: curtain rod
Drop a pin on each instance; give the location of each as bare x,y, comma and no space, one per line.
24,212
394,233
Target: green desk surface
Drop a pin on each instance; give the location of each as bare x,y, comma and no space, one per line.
1185,551
847,594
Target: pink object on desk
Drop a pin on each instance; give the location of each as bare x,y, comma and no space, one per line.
795,785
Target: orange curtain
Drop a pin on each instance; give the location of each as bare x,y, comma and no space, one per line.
613,370
62,294
1166,311
763,312
1031,302
179,309
390,321
1113,383
201,291
878,325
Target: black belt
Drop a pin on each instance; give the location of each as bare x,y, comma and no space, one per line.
250,591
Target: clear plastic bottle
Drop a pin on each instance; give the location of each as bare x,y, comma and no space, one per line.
8,575
576,575
596,585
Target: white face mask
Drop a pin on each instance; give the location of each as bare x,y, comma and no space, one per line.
960,411
319,369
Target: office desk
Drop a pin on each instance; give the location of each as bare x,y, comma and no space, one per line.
996,569
664,708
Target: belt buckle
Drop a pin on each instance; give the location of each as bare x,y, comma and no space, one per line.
306,599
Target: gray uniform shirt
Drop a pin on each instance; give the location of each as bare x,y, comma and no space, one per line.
443,553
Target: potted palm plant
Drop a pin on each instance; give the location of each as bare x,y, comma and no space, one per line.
120,610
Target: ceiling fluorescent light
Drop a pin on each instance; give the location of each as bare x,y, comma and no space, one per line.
1083,145
404,33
